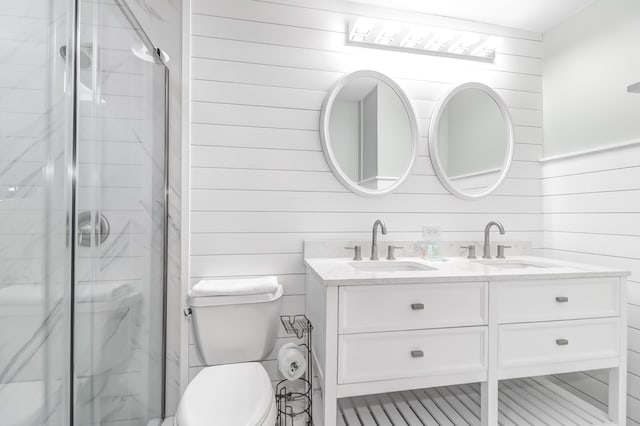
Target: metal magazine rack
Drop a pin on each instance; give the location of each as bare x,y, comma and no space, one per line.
295,398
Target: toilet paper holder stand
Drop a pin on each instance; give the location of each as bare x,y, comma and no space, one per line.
294,399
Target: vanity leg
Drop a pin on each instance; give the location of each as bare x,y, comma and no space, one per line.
618,376
329,409
330,391
618,395
489,389
489,403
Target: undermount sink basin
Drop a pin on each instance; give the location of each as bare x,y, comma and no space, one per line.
390,266
511,264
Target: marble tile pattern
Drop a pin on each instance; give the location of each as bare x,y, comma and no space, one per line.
120,175
340,271
33,253
336,248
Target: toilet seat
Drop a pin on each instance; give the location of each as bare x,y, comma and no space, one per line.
226,395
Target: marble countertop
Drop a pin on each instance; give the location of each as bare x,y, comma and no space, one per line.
338,271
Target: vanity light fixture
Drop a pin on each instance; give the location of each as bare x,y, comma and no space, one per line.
488,47
387,34
439,41
360,30
634,88
465,43
419,39
413,38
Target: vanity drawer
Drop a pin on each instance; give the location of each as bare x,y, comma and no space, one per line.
557,342
373,308
544,300
402,354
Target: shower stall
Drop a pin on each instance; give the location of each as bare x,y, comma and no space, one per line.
83,215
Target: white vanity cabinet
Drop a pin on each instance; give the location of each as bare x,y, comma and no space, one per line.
391,335
548,326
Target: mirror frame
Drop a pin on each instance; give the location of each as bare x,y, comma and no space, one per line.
434,139
325,138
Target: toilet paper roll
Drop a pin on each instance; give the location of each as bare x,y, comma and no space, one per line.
291,362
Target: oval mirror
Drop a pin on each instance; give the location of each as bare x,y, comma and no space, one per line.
368,132
471,140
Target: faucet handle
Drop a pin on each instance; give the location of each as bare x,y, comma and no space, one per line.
357,252
391,252
501,251
472,251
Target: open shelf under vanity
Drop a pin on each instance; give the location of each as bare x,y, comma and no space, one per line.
528,401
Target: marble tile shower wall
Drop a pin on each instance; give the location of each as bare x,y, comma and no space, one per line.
260,184
116,157
33,251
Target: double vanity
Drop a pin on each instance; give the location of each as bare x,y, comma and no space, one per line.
387,333
384,326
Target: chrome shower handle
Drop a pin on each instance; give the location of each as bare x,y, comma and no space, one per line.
88,226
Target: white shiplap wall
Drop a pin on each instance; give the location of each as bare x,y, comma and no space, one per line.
592,215
260,185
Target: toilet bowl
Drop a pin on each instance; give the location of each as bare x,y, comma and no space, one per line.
229,395
235,323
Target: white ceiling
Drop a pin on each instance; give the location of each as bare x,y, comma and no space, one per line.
532,15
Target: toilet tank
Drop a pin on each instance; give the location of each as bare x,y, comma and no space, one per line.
230,328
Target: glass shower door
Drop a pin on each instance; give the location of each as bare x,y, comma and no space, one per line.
120,225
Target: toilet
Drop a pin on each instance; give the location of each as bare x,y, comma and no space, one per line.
235,324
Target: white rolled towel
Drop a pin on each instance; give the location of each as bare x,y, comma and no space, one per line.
235,287
291,361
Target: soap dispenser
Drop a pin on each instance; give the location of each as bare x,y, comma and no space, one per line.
432,236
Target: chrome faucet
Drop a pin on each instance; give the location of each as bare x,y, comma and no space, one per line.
487,243
374,240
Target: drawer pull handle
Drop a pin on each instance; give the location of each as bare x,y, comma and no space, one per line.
562,342
417,354
417,306
562,299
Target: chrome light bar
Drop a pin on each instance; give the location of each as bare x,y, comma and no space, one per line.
418,39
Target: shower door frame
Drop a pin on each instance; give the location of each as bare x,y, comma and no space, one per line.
72,181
